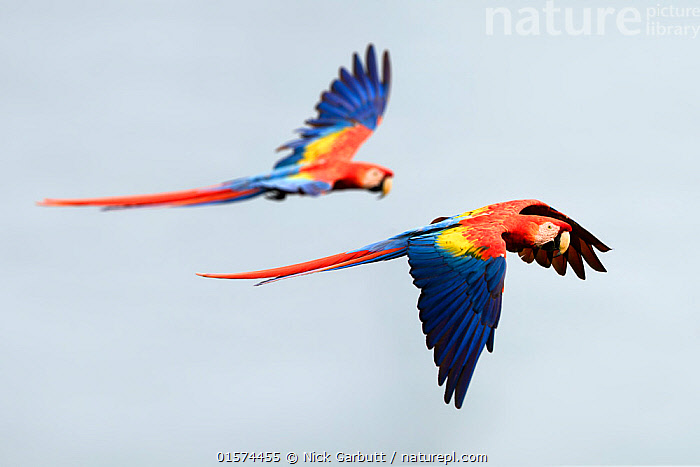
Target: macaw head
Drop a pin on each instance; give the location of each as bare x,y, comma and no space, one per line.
371,177
553,235
540,232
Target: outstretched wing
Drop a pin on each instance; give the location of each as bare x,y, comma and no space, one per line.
348,113
460,271
581,245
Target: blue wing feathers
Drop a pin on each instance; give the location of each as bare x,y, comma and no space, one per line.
492,270
445,316
358,70
372,71
326,109
360,97
453,340
434,308
435,326
386,72
479,297
458,367
496,273
340,88
459,306
354,86
430,299
489,341
468,369
452,358
494,311
439,269
336,100
462,344
456,353
320,122
492,317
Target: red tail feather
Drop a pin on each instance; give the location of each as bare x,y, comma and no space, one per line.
317,265
173,198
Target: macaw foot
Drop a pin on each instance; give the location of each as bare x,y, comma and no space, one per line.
275,195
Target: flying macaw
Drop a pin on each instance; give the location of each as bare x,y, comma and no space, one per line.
459,263
321,158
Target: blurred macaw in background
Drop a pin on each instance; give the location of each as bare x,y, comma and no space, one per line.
321,158
459,263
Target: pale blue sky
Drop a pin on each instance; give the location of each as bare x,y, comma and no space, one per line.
115,353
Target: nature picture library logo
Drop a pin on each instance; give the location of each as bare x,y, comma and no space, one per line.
550,18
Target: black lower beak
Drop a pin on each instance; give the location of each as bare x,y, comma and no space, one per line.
554,245
384,187
551,246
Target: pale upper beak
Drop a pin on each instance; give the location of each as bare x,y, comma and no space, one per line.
386,185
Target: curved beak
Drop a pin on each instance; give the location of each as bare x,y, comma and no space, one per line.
387,183
562,243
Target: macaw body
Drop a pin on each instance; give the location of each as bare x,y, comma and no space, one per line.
459,263
321,158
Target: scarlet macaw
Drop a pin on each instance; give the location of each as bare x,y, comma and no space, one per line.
459,263
321,159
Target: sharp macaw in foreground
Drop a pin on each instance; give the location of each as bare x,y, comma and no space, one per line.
321,159
459,263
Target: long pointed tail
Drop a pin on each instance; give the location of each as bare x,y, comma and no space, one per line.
195,197
329,263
